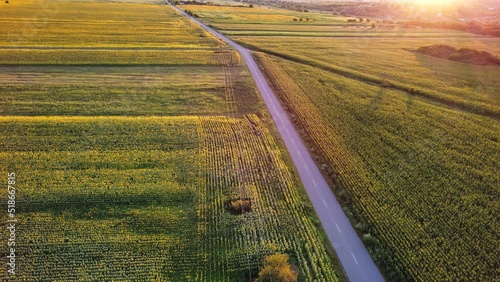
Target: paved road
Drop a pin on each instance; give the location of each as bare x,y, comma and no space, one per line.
353,256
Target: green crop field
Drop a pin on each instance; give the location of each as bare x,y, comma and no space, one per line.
422,177
374,55
68,62
130,132
385,61
73,24
410,142
125,90
143,199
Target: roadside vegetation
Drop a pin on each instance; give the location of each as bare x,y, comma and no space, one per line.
410,142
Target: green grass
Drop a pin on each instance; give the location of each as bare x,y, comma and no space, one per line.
101,34
68,62
260,16
95,195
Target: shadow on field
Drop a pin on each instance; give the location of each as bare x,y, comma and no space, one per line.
377,100
140,214
470,75
103,206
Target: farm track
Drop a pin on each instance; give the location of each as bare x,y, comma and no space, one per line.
357,263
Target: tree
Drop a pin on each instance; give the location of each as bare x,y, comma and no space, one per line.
277,269
250,6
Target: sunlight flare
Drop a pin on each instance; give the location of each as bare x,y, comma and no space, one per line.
437,2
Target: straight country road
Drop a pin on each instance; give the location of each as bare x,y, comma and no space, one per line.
355,259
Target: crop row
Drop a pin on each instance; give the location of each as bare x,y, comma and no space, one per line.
246,164
102,211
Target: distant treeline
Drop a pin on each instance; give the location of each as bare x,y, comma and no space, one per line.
488,22
193,2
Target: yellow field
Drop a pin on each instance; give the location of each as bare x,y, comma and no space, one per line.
222,16
144,198
98,24
67,32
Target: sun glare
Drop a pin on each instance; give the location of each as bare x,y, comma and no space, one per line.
436,2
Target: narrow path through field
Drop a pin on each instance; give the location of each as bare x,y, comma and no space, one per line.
353,256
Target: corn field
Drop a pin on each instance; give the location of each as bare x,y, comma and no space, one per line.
102,198
422,179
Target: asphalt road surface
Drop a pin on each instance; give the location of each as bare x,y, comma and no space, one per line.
353,256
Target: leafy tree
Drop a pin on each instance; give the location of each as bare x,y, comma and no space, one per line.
277,269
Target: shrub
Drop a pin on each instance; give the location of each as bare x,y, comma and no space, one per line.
277,269
464,55
239,206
